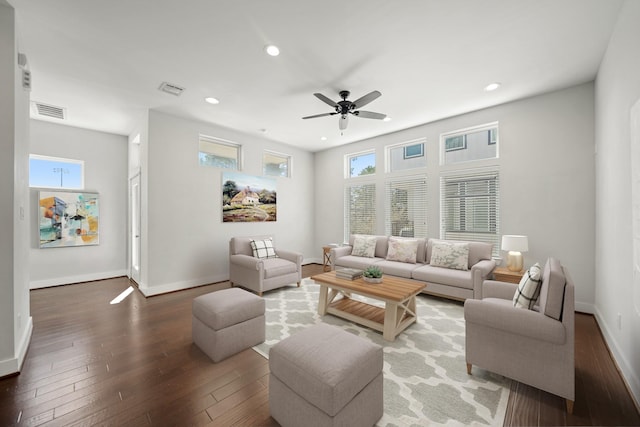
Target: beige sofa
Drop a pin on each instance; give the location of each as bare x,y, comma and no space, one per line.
535,347
450,283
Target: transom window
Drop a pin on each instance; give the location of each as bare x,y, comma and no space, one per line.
465,145
276,164
219,153
55,172
409,155
361,164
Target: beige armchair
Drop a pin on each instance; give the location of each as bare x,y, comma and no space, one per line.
262,274
535,347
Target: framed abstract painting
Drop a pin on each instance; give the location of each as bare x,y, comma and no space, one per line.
68,218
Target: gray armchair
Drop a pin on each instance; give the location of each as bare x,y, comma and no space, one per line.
260,275
535,347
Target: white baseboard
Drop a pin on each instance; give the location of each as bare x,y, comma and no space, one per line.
67,280
148,291
584,307
14,365
630,377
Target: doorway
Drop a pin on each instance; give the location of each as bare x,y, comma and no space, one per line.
134,191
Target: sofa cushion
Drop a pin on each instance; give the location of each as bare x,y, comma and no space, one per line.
450,255
529,288
356,261
381,244
263,248
395,268
552,290
444,276
477,250
364,246
276,267
402,250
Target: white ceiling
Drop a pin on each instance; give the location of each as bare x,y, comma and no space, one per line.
104,60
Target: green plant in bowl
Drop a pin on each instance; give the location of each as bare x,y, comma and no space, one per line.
372,272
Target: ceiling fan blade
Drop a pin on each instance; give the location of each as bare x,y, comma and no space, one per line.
344,121
362,101
319,115
325,99
369,115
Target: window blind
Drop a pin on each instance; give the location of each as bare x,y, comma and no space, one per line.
359,209
406,207
470,207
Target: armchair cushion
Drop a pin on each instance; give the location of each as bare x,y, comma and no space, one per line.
263,248
528,289
552,290
275,267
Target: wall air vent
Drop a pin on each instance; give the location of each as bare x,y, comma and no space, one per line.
40,109
171,88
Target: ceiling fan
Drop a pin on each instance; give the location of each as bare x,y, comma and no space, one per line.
344,107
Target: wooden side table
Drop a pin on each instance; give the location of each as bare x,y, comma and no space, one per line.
326,254
503,274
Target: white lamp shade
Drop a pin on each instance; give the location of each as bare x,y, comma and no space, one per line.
515,243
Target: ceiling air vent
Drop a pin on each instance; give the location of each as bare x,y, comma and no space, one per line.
171,88
46,110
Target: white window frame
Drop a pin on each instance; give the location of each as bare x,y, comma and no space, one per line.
347,164
464,132
450,203
61,160
286,157
416,185
220,142
388,157
362,218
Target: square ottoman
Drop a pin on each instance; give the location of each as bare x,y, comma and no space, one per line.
227,321
325,376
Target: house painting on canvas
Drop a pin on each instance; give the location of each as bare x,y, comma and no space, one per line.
247,198
68,218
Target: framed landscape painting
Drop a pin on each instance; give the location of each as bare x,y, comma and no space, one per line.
68,218
247,198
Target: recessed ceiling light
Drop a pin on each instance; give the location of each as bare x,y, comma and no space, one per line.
386,119
323,138
492,86
212,100
263,130
272,50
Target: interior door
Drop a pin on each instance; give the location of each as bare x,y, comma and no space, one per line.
134,191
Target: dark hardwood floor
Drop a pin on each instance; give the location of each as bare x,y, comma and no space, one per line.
133,363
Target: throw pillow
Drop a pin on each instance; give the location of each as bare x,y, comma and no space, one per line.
364,246
529,288
402,250
450,255
263,248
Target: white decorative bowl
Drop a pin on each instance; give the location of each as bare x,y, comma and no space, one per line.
373,279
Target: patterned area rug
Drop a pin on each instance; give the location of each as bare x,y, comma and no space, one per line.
425,376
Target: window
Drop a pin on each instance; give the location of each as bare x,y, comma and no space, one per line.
359,209
276,164
218,153
406,207
361,164
475,143
55,172
408,155
470,207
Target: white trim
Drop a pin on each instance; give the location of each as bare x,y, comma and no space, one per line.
67,280
14,365
625,368
148,291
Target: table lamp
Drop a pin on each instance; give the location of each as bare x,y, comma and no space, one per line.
515,245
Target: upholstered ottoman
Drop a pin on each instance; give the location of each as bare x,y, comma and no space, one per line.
324,376
227,321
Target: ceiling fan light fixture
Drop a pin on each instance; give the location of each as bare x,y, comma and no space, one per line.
272,50
212,100
323,138
492,86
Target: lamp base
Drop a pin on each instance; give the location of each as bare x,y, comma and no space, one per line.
515,261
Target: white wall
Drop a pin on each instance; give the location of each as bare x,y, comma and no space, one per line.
546,146
184,242
617,89
15,318
105,166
